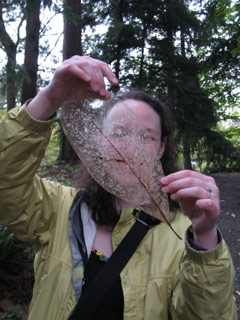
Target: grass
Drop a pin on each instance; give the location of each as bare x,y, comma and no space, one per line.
2,113
53,148
51,168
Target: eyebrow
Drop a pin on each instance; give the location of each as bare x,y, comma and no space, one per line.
148,129
152,131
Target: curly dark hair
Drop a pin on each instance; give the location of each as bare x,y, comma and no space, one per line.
102,202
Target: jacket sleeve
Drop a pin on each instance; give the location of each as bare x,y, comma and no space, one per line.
204,285
27,203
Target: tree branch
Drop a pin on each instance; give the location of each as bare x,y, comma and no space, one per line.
5,39
18,29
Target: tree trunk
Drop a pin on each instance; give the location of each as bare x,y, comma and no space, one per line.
186,154
140,76
10,79
186,142
119,44
72,45
29,86
141,68
10,48
169,64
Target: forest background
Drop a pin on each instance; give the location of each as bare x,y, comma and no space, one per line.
186,52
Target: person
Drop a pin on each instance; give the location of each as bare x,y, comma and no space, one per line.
166,278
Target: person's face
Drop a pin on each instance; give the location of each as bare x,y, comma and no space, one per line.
133,133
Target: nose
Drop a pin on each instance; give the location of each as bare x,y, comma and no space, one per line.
126,146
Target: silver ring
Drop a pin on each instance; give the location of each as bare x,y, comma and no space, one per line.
209,190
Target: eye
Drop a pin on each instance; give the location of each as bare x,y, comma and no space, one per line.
145,136
118,132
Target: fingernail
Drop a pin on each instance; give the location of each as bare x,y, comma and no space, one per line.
87,78
95,87
107,96
163,180
115,79
103,92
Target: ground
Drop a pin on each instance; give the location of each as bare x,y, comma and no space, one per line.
229,224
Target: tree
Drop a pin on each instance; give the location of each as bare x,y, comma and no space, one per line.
29,84
121,38
10,47
173,71
221,57
156,46
220,77
72,46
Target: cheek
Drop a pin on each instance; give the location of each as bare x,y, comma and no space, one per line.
142,150
153,148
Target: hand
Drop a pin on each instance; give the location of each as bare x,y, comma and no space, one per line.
191,189
74,80
79,78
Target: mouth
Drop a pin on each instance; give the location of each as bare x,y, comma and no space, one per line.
112,160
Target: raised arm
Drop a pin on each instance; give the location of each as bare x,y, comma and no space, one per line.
28,202
76,79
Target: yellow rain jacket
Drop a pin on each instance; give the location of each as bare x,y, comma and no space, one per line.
165,279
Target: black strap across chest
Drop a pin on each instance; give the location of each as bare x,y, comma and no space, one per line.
96,291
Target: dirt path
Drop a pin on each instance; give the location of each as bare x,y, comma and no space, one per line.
229,223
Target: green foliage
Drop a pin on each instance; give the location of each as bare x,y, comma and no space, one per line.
218,153
186,52
54,144
2,113
169,51
52,169
15,259
13,8
220,71
11,314
62,173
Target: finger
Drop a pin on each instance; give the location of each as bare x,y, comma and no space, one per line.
101,86
184,174
193,192
187,183
97,64
98,87
85,61
97,83
100,82
74,70
107,72
87,66
208,205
